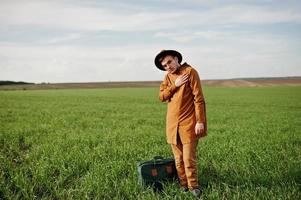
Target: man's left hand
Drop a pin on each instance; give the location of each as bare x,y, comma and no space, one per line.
199,128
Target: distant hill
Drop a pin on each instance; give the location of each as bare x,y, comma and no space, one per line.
239,82
13,83
255,82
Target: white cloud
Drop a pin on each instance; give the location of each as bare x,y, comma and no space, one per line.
200,34
185,36
69,63
257,14
235,57
55,15
66,38
64,15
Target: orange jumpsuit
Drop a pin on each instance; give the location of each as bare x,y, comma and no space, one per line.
186,106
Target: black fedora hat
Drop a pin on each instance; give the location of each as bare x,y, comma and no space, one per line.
164,53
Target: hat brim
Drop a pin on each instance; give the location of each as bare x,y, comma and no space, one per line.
166,53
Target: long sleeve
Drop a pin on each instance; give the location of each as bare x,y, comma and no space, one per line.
199,101
167,89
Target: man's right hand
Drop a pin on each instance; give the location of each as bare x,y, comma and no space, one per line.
181,80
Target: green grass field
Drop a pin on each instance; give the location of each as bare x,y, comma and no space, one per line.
85,143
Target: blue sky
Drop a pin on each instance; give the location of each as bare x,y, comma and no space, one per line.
88,41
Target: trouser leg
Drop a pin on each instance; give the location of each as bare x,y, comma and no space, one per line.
178,155
190,164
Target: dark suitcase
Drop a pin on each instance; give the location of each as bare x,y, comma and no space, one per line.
154,172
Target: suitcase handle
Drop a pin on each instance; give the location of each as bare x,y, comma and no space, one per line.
158,158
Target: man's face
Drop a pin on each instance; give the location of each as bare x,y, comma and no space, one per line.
170,63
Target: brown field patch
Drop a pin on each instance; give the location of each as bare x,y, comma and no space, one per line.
252,82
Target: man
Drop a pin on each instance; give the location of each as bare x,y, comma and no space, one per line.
186,115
